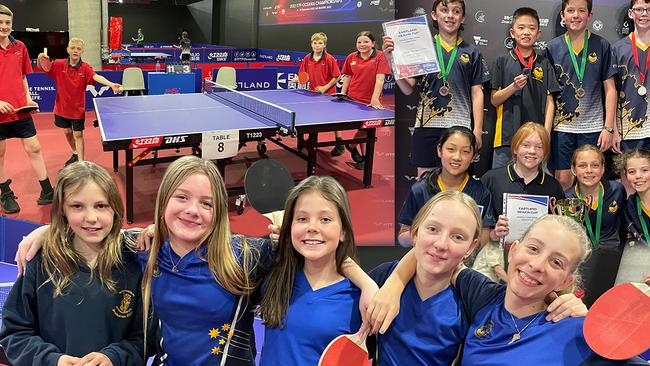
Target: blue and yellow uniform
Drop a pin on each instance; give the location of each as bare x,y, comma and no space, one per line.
578,121
633,109
314,319
489,340
438,112
633,219
420,193
201,321
425,332
599,271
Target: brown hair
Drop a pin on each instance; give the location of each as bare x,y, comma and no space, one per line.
446,3
587,147
6,11
275,304
621,160
590,5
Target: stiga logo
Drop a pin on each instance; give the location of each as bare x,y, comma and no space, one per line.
283,58
373,123
175,139
218,56
146,142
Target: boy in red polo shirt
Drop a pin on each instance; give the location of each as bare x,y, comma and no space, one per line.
321,67
14,94
364,73
71,77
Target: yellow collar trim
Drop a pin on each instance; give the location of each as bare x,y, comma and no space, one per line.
460,188
577,50
449,47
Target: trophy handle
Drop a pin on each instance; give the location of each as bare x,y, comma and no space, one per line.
552,204
588,201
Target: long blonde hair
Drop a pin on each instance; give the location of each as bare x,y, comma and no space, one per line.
275,303
60,260
458,197
223,264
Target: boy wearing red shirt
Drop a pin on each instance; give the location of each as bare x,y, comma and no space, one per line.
321,67
14,94
71,77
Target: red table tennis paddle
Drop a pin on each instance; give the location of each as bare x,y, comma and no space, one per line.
303,77
346,350
617,326
267,184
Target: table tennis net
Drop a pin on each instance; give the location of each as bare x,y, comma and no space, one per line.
274,114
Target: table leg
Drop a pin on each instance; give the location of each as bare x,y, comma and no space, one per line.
370,153
311,142
116,160
129,186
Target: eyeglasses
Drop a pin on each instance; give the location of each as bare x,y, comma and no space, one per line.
640,11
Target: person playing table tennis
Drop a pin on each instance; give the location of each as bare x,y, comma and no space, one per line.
444,231
139,38
320,66
14,123
79,302
307,301
71,77
363,72
510,324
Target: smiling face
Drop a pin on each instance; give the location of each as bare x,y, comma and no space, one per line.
365,44
530,152
525,31
5,26
450,17
543,261
189,211
588,168
641,21
443,238
456,154
576,15
316,229
89,214
637,172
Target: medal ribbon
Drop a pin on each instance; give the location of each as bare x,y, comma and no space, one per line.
635,52
522,60
595,237
444,71
642,219
580,72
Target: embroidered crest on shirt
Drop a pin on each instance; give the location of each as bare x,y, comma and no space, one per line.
538,73
124,309
613,207
225,334
593,58
485,330
464,58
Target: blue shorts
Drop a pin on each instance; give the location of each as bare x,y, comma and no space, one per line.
501,156
22,129
424,147
74,124
563,144
635,144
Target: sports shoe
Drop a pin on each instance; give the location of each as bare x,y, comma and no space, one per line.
338,150
358,158
45,198
8,200
73,158
359,165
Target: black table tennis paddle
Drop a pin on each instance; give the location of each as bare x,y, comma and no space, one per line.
267,184
341,96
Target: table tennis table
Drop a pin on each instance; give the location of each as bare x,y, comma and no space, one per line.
180,120
140,56
8,274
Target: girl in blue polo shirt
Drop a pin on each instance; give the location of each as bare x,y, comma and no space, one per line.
444,231
602,222
456,149
307,300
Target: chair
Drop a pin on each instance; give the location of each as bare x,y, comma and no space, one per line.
227,76
133,80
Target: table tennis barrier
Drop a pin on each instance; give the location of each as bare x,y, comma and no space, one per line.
133,80
227,76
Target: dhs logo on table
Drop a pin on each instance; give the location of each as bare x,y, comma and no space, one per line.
169,140
218,56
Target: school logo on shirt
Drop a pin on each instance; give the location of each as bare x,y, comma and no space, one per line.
464,58
352,63
124,310
484,331
156,270
593,57
613,207
538,73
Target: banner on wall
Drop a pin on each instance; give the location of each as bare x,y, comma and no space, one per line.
115,33
278,12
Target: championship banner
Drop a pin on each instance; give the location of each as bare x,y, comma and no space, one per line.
115,38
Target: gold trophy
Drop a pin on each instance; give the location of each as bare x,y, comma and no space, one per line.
574,208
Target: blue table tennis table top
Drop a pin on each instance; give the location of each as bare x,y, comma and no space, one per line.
122,118
8,273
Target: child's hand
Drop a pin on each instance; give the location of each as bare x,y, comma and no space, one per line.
145,238
6,107
294,80
376,104
66,360
320,89
388,45
367,295
501,229
274,232
565,306
520,81
117,88
29,247
647,280
383,308
94,359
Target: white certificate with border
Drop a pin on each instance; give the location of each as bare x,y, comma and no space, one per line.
414,53
522,210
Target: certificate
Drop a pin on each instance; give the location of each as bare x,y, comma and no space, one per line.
414,52
522,210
